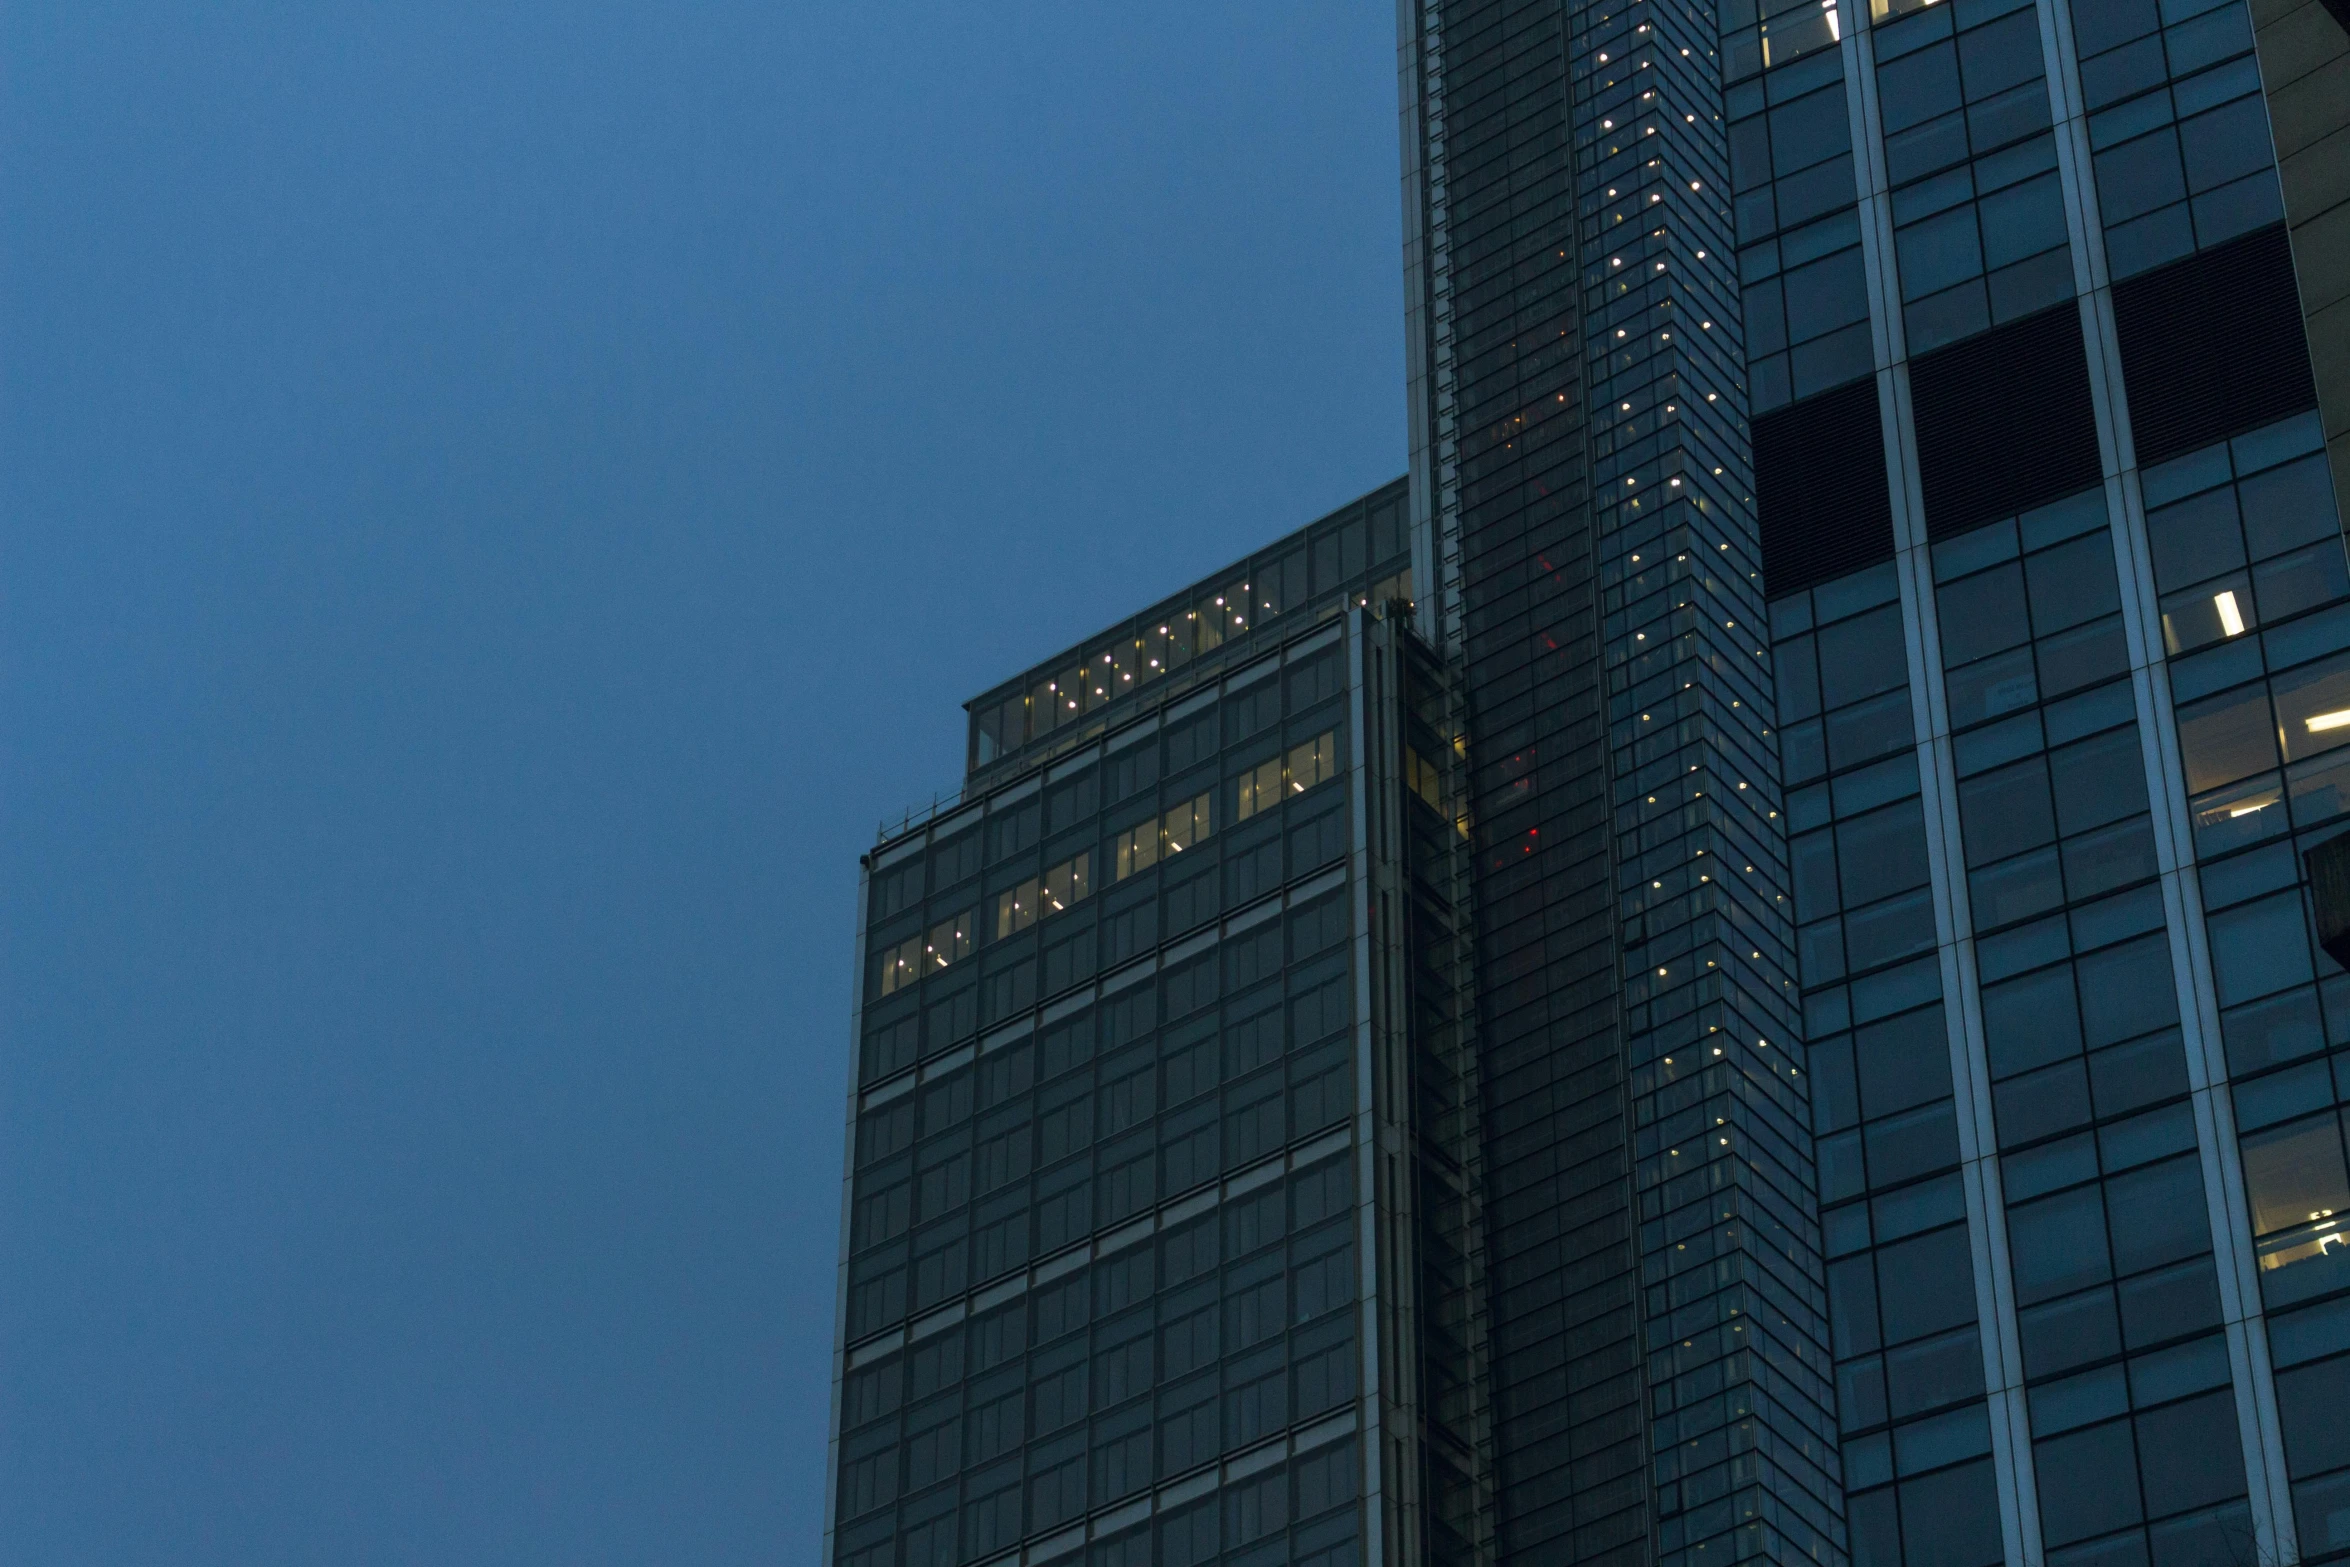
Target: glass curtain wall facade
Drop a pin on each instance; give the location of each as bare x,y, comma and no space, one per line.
1660,1340
2053,1217
2011,356
1162,1206
1725,971
2048,1066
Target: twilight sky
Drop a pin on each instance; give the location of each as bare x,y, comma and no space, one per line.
495,501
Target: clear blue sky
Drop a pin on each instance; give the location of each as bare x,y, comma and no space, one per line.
495,501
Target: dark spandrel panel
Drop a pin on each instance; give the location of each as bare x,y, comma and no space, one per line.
2004,421
1819,487
2213,345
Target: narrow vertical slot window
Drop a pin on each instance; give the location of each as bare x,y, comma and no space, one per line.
1015,910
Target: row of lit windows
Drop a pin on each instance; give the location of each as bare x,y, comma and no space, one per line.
1304,765
1057,889
1262,787
1124,667
1270,782
1164,837
918,957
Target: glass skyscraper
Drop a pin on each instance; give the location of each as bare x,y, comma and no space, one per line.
1725,970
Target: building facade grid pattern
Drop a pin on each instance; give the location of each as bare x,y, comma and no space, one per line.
1769,1028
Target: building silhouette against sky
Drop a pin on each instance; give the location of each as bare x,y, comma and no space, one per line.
1722,972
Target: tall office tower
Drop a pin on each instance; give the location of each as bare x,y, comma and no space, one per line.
1163,1140
2022,394
1724,973
1659,1333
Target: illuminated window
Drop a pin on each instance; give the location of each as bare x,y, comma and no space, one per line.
2232,808
1137,849
1066,884
1313,761
2207,614
2295,1181
948,940
2313,707
1140,848
1259,790
2227,737
1270,782
1188,823
919,956
1041,897
901,965
1155,649
1015,910
1237,605
1420,776
1207,625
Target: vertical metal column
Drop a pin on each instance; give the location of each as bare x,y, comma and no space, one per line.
1970,1072
1389,1302
2215,1129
